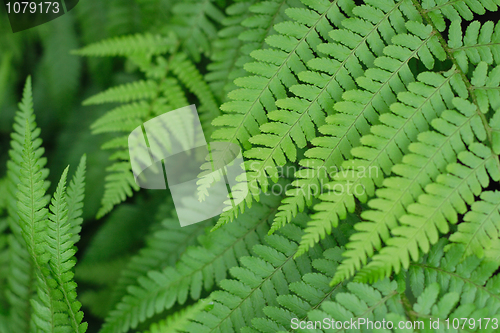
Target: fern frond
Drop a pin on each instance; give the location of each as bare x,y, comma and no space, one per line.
161,92
32,220
119,184
360,108
199,268
60,247
393,203
129,46
382,148
275,71
262,284
125,93
442,287
20,278
427,160
481,225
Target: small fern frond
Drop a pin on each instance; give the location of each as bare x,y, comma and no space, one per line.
129,46
128,92
60,247
32,219
360,108
166,87
119,185
21,272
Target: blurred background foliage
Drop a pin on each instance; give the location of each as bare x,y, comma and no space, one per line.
61,81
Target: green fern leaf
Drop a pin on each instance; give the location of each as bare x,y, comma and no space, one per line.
384,146
60,246
20,278
119,185
275,70
395,199
455,11
198,269
125,93
262,284
129,45
32,219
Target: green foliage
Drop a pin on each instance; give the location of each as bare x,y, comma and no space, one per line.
42,246
371,137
